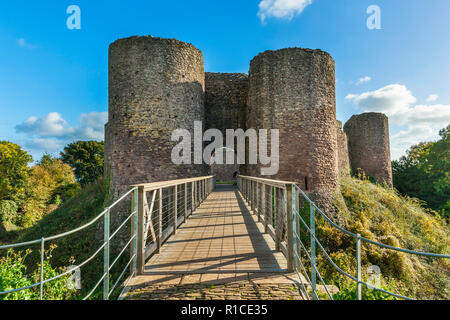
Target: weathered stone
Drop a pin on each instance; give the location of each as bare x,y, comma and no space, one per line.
368,143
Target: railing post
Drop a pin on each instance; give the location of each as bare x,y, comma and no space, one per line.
278,219
41,286
294,226
252,196
140,232
290,226
196,194
185,202
271,208
192,197
203,190
106,257
160,212
175,209
264,205
134,226
258,201
358,260
312,226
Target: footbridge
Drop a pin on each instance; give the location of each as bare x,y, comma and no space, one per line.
195,239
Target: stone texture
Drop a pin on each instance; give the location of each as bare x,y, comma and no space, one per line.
237,291
155,86
293,90
342,146
226,101
368,143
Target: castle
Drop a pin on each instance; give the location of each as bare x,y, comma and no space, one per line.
158,85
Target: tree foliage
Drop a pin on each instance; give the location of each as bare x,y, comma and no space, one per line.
424,173
14,171
86,157
51,182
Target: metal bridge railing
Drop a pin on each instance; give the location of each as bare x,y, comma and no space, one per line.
177,200
171,203
274,198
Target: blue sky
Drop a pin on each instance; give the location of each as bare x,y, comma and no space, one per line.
53,81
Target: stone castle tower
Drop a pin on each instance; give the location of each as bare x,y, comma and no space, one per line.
157,85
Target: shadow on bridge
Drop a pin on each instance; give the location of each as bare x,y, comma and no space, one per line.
222,236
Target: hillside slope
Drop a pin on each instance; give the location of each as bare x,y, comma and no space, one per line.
382,215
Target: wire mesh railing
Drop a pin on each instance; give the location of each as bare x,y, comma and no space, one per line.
162,207
105,247
151,222
281,201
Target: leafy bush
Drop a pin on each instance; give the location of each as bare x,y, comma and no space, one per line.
13,275
425,173
381,214
350,293
86,157
14,171
8,211
50,182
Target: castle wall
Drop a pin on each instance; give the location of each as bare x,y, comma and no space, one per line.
342,147
225,108
155,86
368,142
225,100
293,90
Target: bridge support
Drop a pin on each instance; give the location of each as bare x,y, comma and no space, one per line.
140,233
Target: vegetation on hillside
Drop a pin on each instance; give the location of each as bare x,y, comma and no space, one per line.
44,200
424,173
381,214
86,157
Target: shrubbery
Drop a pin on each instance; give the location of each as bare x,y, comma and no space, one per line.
425,173
14,274
381,214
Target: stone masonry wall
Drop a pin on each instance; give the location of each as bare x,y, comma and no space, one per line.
225,108
293,90
368,142
155,86
342,145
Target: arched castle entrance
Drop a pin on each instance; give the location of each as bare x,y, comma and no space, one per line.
224,172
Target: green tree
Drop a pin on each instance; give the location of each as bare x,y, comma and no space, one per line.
14,171
86,157
424,173
51,182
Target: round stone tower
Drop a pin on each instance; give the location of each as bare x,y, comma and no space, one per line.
293,90
155,86
368,144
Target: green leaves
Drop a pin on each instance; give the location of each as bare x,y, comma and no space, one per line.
425,173
14,171
86,157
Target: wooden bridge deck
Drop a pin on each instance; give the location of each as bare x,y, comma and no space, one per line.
221,244
221,236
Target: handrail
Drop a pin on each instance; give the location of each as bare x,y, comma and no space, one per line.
200,188
251,196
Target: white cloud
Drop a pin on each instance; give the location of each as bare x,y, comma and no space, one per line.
281,9
52,132
21,42
363,80
394,100
422,122
432,98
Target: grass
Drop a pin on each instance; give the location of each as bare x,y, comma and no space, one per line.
376,212
379,213
74,213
